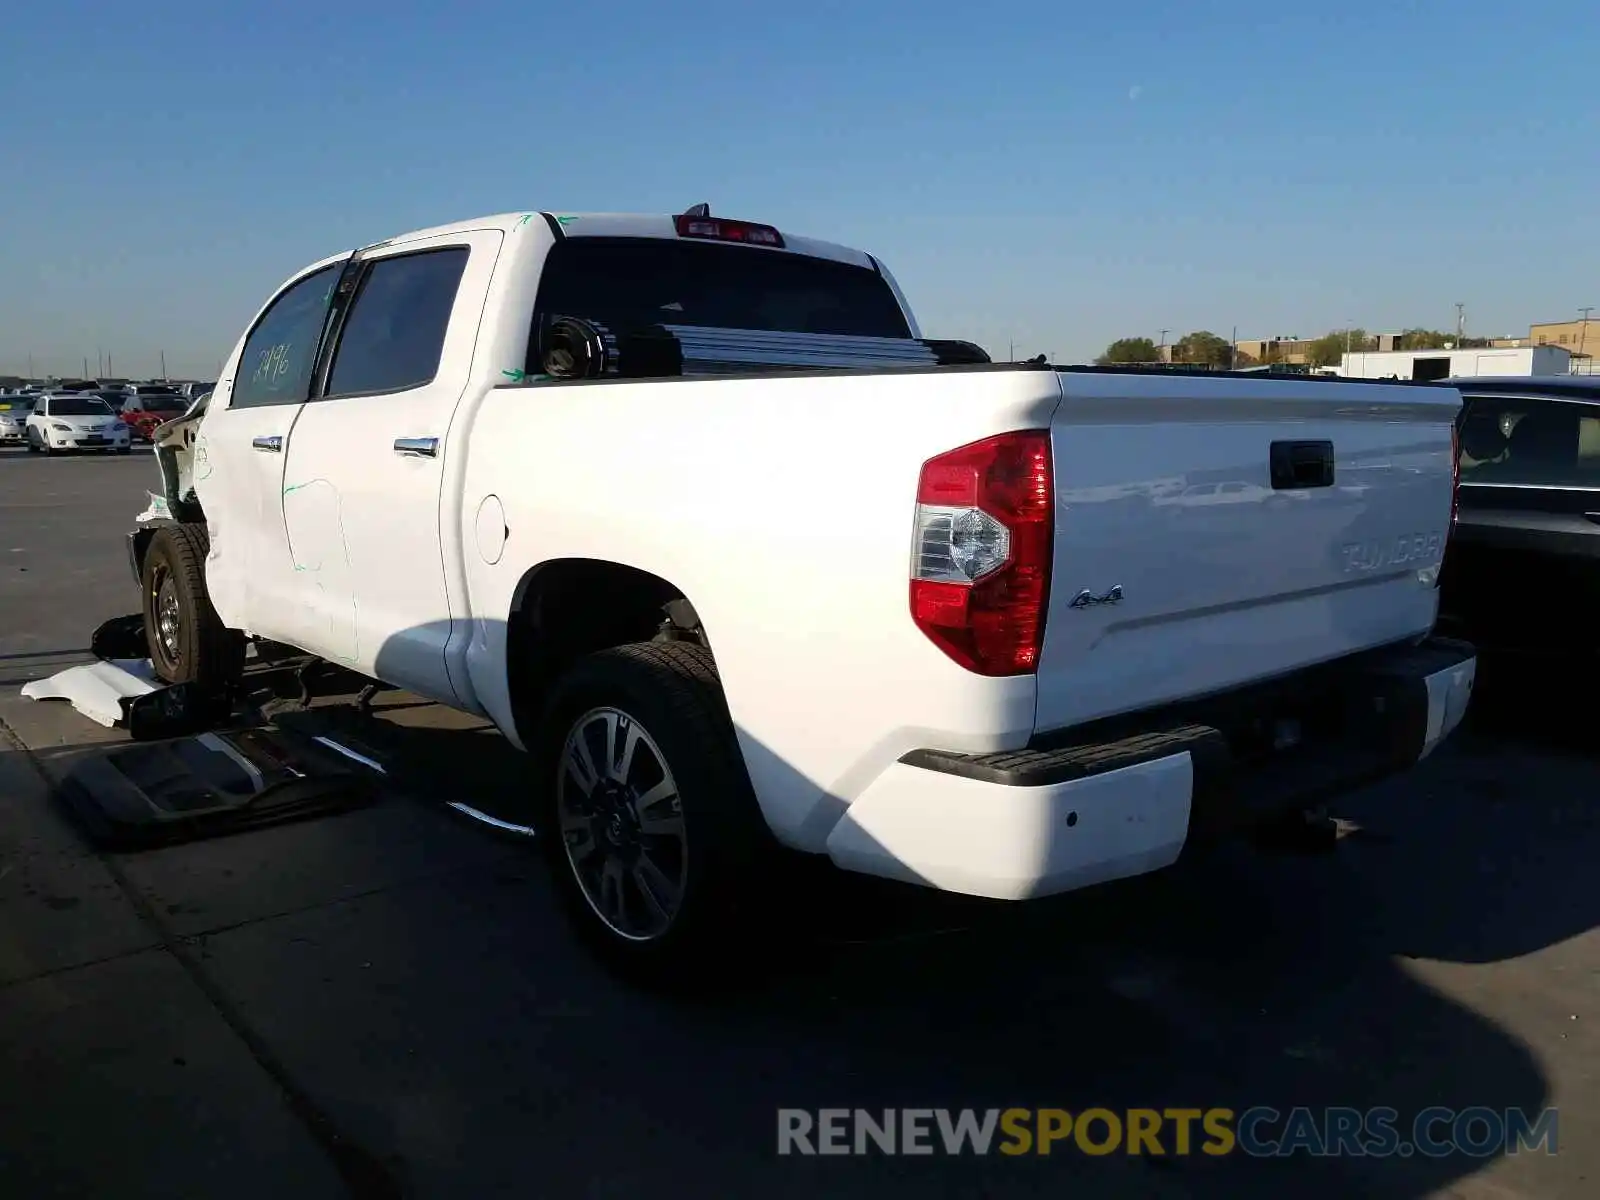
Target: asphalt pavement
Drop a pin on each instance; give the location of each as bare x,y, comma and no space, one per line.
385,1003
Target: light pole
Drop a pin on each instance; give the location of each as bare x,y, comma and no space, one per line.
1583,328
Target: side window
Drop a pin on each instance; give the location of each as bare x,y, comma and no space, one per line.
393,338
281,351
1530,441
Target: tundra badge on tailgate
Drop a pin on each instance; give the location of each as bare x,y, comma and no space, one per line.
1407,548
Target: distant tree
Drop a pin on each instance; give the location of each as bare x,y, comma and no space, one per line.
1328,349
1472,343
1130,350
1424,339
1203,347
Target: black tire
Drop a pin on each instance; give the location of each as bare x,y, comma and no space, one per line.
672,692
33,446
200,649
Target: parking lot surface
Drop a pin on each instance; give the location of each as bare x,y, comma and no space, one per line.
385,1003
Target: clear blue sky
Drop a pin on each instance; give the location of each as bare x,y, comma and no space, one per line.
1058,174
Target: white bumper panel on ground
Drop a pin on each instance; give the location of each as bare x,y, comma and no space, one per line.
96,689
1449,692
1010,843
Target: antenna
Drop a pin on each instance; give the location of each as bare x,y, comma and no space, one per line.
699,210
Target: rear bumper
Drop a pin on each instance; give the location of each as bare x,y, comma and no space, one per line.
1053,819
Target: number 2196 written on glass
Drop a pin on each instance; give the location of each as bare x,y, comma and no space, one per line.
272,366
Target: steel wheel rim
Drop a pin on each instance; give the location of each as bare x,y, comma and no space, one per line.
169,617
621,824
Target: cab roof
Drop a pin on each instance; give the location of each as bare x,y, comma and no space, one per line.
634,225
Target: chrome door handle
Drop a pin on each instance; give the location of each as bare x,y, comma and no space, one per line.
417,447
269,445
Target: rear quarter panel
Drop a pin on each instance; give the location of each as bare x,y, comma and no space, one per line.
782,508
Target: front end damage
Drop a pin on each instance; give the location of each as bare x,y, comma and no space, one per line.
175,449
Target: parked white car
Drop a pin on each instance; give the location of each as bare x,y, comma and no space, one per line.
852,615
66,421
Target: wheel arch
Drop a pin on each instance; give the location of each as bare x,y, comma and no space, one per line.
566,608
139,545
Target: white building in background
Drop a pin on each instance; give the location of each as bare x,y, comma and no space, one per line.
1456,364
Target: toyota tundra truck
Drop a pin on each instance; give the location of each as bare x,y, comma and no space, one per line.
695,514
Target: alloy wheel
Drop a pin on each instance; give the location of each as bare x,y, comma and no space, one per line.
621,823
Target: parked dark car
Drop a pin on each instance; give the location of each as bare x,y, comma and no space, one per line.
1522,573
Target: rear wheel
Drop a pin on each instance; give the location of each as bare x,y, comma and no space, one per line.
187,640
648,818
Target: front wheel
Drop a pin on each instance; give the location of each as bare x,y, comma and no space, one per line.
188,642
648,818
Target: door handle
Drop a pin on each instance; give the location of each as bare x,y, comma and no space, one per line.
268,445
417,447
1296,465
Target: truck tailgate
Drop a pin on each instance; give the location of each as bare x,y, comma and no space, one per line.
1184,567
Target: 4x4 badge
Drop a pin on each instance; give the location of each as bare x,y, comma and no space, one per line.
1086,598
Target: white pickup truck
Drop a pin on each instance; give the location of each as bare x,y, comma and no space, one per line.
693,513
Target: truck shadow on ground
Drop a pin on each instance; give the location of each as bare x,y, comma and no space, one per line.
476,1034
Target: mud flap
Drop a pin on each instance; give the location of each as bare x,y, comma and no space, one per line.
176,710
120,638
161,793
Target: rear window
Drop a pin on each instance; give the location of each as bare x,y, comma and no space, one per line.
1530,441
628,284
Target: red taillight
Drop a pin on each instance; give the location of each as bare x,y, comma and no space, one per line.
716,229
980,568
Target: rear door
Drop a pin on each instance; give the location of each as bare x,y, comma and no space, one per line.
1187,562
364,464
1524,569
